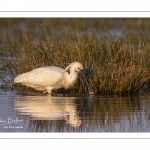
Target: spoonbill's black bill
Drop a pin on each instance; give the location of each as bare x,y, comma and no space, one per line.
90,91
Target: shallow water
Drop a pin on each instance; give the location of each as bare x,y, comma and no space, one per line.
34,112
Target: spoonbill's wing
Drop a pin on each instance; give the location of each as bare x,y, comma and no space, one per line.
44,76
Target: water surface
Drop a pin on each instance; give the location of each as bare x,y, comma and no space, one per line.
34,112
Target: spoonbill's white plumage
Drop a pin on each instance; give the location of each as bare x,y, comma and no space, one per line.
50,78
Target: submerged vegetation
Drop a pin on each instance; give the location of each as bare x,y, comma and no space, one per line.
114,52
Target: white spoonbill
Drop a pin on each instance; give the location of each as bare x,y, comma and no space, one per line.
51,78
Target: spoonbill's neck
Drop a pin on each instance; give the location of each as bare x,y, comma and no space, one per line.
69,79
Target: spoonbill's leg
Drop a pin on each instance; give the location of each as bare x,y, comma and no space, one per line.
49,90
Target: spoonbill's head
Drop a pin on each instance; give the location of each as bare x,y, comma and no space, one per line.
75,67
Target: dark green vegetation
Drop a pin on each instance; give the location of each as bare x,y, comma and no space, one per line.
114,52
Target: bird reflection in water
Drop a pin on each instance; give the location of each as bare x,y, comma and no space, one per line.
49,108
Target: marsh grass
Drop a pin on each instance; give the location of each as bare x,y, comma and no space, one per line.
112,66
